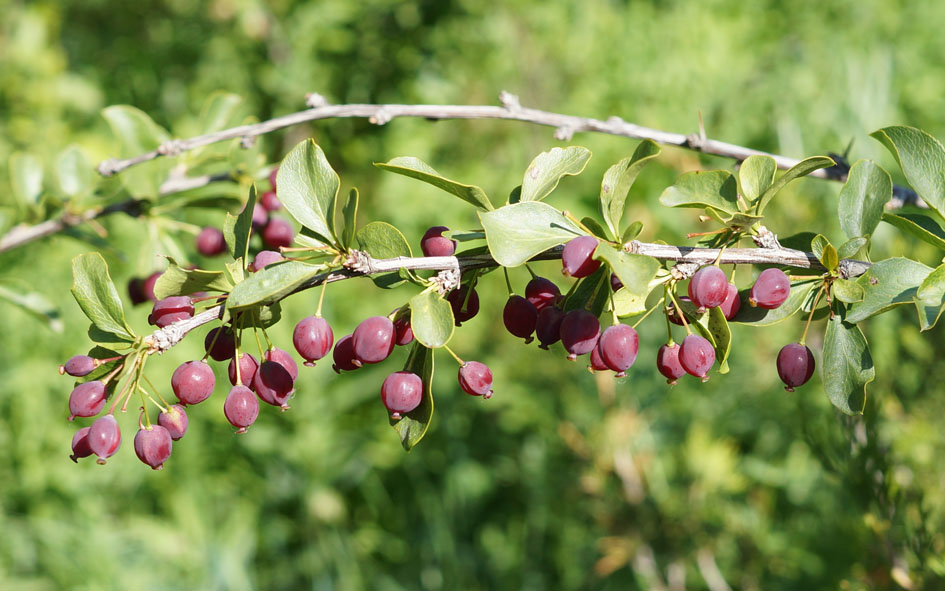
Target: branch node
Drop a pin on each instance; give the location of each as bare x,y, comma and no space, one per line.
313,100
695,141
247,141
682,271
171,148
381,116
108,167
360,262
509,101
615,120
564,133
766,239
447,280
632,247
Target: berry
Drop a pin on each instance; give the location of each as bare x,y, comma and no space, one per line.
277,232
270,202
104,437
80,445
136,291
696,356
476,379
153,445
343,355
732,303
248,367
87,400
520,317
672,313
541,293
193,382
147,286
576,258
171,310
795,365
618,346
403,334
770,290
273,384
272,177
463,308
548,326
241,408
220,343
285,360
78,366
434,244
667,362
401,392
312,338
210,242
174,419
260,216
580,331
264,258
373,340
708,288
615,282
596,363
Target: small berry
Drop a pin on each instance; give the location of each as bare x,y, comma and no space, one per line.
673,314
285,360
136,291
147,286
577,257
580,331
193,382
241,408
272,177
263,259
697,356
541,292
278,232
548,326
770,290
596,363
343,355
87,400
403,334
171,310
667,362
373,340
615,283
732,303
80,445
270,202
104,437
708,288
153,445
463,308
434,244
312,338
220,343
210,242
174,419
618,347
260,216
520,317
795,365
78,366
401,392
274,384
476,379
248,367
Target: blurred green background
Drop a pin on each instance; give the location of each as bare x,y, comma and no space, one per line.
564,480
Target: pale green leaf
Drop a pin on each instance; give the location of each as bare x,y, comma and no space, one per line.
617,182
546,170
420,170
847,366
431,319
308,186
515,233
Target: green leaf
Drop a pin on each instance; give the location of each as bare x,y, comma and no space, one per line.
888,283
617,182
137,133
431,319
741,221
413,426
713,188
847,366
176,281
848,291
802,168
592,293
218,110
271,284
515,233
74,173
922,159
830,259
757,316
383,241
237,229
721,337
756,174
930,298
95,293
351,219
546,170
420,170
851,247
862,198
628,304
632,231
635,271
920,226
35,304
818,246
308,186
595,227
26,177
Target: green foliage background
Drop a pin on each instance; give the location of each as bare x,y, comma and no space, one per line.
563,479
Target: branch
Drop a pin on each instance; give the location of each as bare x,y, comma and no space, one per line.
565,127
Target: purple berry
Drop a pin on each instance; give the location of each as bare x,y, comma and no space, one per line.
153,445
78,366
520,317
548,326
174,419
434,244
667,362
312,338
463,308
147,286
577,257
615,282
403,334
696,356
241,408
264,258
708,288
795,365
104,437
343,355
220,343
770,290
270,202
248,367
171,310
618,347
541,292
732,303
580,331
285,360
401,392
193,382
210,242
260,216
476,379
278,232
87,400
274,384
136,291
80,445
373,340
596,363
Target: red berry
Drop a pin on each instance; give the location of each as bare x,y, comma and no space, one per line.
541,293
260,216
278,232
147,286
312,338
596,363
136,291
696,356
401,392
193,382
770,290
476,379
373,340
248,367
615,282
263,259
667,362
153,445
403,334
174,419
210,242
274,384
732,303
285,360
270,202
548,326
87,400
520,317
708,288
673,314
171,310
618,347
78,366
464,308
434,244
80,445
104,437
580,331
343,355
272,177
795,365
577,257
241,408
220,342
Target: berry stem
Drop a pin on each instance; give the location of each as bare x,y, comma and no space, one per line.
236,362
813,309
213,342
721,251
577,222
530,272
679,309
709,233
669,329
508,282
262,352
590,300
112,374
156,391
321,298
650,311
455,356
613,308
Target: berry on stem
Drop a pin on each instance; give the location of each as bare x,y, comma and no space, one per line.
193,382
520,317
770,290
274,384
548,326
795,365
78,366
732,303
210,242
153,445
577,257
580,331
403,334
171,310
87,400
541,292
241,408
401,392
343,355
104,437
174,419
674,314
697,356
475,379
618,347
220,343
434,244
263,259
464,308
708,288
248,367
277,233
596,363
80,445
312,338
667,362
270,202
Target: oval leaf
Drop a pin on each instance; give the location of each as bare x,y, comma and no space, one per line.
847,366
546,170
515,233
721,337
713,188
592,293
617,182
635,271
756,174
413,426
137,133
431,319
237,229
802,168
307,186
930,298
271,284
177,281
888,283
26,177
95,293
921,226
383,241
420,170
847,291
350,213
74,174
922,159
862,198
